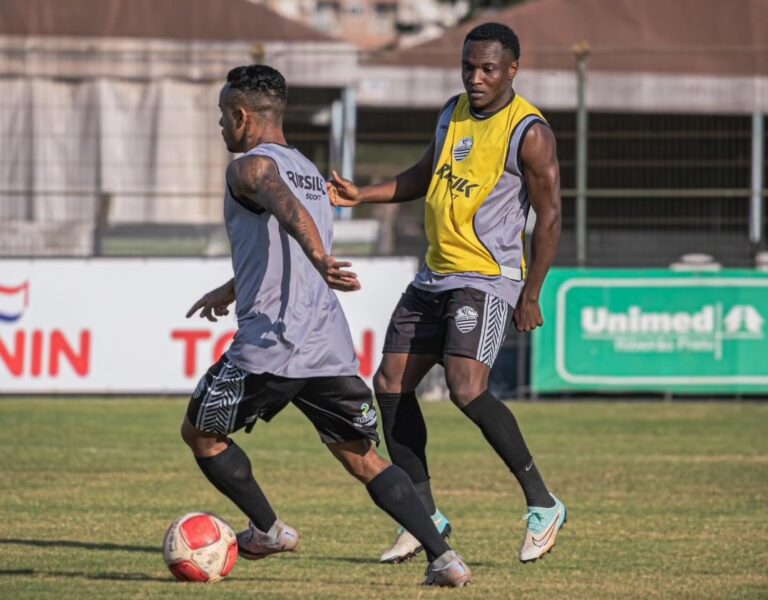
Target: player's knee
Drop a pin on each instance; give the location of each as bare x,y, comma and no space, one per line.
361,460
357,469
463,392
383,383
201,444
188,433
463,386
370,466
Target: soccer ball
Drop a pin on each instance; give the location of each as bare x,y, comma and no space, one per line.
200,547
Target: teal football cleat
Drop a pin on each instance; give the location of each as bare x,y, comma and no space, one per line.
541,533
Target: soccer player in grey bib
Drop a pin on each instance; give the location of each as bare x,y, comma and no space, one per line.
293,342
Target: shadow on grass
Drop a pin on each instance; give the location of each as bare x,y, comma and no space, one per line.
347,559
77,544
109,576
82,575
375,561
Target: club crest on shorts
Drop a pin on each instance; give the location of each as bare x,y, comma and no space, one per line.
462,148
368,416
466,319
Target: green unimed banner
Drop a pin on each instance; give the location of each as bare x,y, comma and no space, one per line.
652,330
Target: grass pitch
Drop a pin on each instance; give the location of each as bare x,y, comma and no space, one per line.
665,501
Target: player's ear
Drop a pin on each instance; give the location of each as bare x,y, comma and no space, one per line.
240,116
512,71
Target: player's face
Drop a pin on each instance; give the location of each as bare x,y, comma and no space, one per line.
232,121
487,70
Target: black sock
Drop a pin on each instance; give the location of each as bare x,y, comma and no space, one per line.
230,473
424,492
500,428
394,493
406,435
536,493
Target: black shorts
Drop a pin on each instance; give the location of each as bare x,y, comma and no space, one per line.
228,398
461,322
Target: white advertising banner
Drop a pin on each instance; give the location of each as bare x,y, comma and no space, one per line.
118,325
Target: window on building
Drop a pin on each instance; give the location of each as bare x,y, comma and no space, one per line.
327,16
355,9
385,9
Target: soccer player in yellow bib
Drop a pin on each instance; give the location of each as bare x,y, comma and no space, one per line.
491,158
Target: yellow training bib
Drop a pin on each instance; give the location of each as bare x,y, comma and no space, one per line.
471,163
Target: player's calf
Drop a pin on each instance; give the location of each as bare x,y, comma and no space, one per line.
228,468
393,492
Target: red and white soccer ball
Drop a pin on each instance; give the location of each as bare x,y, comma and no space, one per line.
200,547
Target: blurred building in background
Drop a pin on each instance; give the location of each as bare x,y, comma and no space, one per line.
111,144
109,118
371,24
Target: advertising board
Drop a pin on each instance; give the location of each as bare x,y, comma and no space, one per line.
655,330
119,326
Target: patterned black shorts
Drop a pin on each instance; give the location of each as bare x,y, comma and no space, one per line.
228,398
461,322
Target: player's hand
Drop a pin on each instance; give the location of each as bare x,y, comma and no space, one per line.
528,314
342,192
215,303
336,276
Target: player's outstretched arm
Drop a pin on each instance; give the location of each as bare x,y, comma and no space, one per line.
542,176
215,303
409,185
255,180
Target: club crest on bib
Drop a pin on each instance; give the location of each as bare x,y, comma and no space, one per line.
466,319
462,148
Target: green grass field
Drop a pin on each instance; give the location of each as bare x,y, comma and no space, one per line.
666,500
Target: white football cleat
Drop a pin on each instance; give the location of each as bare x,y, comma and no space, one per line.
406,546
254,544
449,570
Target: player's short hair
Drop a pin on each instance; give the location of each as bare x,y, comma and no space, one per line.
261,88
488,32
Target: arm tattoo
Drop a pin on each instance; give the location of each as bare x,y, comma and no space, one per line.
290,213
258,182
